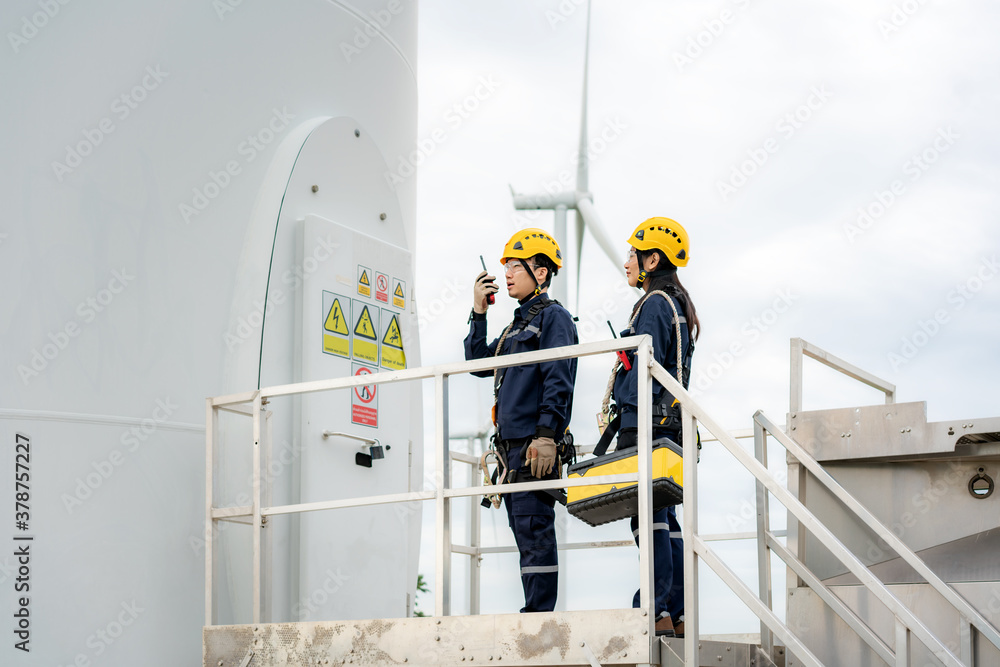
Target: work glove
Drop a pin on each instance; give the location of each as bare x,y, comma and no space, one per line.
485,285
541,456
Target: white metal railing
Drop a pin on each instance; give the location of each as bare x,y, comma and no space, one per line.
801,348
971,621
442,494
696,548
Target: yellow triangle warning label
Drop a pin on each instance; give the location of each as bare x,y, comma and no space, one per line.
364,327
399,290
335,320
392,336
364,278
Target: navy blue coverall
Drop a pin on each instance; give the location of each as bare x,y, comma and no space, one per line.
657,319
535,399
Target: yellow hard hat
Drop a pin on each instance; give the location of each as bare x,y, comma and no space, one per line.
527,243
665,235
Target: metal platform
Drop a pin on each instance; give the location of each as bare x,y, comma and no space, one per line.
889,549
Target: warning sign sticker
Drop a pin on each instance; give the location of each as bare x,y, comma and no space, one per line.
366,323
399,293
364,401
337,315
393,355
364,281
382,287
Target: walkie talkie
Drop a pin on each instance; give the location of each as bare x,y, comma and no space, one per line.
490,299
621,353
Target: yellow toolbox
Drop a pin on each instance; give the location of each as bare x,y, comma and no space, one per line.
603,503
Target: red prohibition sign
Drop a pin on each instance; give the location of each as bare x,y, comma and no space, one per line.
383,283
365,393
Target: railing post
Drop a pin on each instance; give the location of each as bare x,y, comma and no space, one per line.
256,525
967,639
475,536
902,644
795,377
442,479
644,394
689,431
210,417
763,528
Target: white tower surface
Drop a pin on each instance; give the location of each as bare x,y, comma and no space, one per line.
163,243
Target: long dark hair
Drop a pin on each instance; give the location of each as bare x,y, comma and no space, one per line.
666,279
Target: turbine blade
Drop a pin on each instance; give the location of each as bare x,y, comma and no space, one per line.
593,222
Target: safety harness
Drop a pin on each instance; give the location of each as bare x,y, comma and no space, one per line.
565,451
664,416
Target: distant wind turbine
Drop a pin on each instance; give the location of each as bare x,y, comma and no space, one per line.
580,200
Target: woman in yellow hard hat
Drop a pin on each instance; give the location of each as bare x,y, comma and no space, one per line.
658,247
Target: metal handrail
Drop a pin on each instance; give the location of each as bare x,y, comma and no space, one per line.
694,414
442,494
964,609
800,348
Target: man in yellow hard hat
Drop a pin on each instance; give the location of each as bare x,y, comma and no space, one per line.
533,403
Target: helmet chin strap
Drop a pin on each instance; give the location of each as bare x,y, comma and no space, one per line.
538,287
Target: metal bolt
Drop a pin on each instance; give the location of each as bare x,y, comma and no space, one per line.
438,621
624,654
907,430
902,430
357,133
491,657
729,648
315,188
381,216
644,612
645,632
720,658
463,658
582,644
461,647
793,415
848,434
220,663
793,428
406,659
438,638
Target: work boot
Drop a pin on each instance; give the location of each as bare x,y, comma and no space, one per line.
664,627
679,629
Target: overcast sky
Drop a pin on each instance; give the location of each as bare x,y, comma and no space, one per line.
835,164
